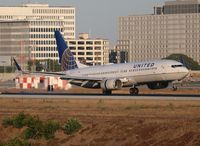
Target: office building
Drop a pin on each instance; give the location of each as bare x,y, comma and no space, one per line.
93,51
172,28
28,33
14,41
30,28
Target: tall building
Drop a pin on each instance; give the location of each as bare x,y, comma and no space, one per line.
93,51
14,41
173,28
27,32
30,28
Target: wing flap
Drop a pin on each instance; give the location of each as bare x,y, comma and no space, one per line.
56,74
78,78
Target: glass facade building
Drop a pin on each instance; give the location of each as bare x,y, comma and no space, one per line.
147,37
14,40
41,21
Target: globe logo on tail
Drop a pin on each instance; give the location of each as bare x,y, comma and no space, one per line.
68,61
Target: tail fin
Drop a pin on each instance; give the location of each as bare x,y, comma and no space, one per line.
66,58
17,65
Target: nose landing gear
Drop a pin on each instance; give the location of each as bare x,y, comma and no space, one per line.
134,91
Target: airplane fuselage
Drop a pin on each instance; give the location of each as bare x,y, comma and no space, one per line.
135,73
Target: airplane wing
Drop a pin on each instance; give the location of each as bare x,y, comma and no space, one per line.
95,79
58,74
55,74
75,78
62,75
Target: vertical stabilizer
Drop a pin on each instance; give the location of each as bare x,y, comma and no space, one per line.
66,57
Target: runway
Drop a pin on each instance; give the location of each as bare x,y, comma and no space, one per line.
100,96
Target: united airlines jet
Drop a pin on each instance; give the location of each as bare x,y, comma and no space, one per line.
155,74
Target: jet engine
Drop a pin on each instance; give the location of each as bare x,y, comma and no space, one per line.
111,84
157,85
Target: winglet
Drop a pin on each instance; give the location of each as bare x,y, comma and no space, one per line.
17,65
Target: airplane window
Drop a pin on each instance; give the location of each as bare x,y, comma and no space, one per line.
175,66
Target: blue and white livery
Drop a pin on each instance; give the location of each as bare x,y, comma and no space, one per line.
155,74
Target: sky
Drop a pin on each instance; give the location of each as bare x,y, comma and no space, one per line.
98,17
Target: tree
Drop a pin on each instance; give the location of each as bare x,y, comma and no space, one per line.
53,65
189,62
48,65
30,64
38,65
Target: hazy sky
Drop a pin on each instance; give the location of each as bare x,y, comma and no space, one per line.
99,17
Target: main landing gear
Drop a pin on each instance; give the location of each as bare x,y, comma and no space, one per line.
174,88
134,91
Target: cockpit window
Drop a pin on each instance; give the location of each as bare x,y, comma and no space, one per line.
175,66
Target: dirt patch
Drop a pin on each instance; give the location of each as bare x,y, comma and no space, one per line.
112,122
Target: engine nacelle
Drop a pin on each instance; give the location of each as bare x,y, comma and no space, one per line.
158,85
111,84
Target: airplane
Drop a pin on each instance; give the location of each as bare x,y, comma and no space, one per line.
156,74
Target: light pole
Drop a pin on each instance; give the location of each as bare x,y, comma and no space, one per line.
32,56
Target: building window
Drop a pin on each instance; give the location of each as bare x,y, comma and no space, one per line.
81,53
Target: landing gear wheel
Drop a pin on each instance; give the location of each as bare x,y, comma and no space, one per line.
107,92
134,91
174,88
